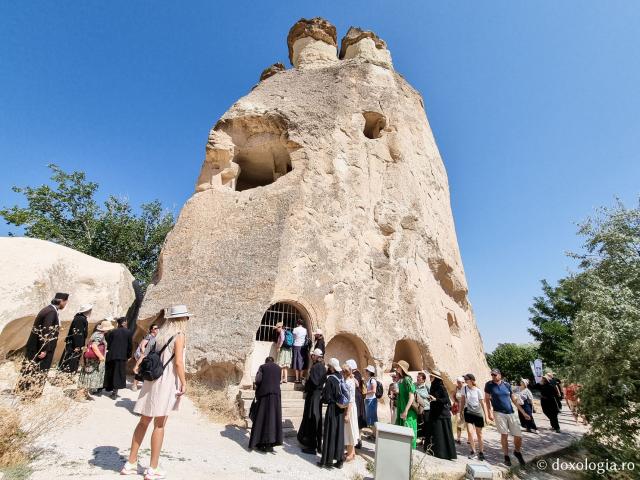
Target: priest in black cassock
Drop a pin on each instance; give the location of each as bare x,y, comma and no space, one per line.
76,339
266,411
41,347
333,431
310,431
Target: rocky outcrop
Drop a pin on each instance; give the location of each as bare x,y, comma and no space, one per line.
32,271
336,203
272,70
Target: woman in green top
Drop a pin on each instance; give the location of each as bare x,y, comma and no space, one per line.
406,416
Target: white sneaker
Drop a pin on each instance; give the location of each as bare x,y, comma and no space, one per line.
129,469
154,473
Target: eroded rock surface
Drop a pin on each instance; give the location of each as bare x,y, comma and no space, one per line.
32,271
337,203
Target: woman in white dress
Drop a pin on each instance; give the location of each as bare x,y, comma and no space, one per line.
350,415
159,397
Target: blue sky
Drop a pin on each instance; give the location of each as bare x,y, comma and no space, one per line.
534,105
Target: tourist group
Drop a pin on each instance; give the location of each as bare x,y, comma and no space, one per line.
339,401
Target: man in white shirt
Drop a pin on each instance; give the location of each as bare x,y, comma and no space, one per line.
299,339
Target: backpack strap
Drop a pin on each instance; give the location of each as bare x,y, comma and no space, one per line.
162,350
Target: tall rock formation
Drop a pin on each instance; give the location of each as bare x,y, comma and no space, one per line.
322,194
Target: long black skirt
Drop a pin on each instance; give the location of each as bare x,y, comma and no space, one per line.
310,431
70,360
115,375
439,441
266,418
333,435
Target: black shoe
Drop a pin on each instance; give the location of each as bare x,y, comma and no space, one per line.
359,444
338,464
309,451
507,460
480,456
520,458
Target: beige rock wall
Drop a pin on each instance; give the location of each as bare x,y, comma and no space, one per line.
343,211
32,271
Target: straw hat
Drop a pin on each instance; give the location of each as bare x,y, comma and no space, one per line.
177,311
104,326
436,374
404,366
85,308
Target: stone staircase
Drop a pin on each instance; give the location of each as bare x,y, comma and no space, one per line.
292,406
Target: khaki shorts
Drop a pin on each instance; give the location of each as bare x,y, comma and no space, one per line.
507,423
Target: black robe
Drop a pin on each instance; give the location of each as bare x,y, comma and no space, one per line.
439,432
120,347
310,431
266,412
76,339
549,398
333,430
362,417
320,344
43,338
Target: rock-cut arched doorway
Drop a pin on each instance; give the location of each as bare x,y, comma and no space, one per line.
409,351
264,344
345,346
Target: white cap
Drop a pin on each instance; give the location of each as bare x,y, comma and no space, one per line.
318,332
317,352
352,364
371,368
460,379
335,363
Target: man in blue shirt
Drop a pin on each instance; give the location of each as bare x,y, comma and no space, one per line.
500,400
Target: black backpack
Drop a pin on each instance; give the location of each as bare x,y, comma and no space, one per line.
379,389
151,367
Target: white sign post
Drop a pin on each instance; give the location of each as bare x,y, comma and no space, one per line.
536,368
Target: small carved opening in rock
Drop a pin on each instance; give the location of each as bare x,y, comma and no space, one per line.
409,351
247,152
453,323
374,123
345,346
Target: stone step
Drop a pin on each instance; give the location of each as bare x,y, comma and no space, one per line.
286,394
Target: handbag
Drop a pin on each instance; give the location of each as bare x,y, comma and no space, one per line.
89,354
418,404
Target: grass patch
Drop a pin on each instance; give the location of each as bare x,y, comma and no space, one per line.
215,403
17,472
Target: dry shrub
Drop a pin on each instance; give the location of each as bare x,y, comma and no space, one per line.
215,403
27,419
13,440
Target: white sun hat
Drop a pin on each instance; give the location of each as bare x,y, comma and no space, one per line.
85,308
335,363
317,352
352,364
371,368
177,311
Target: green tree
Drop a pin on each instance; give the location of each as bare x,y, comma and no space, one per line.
68,214
605,359
513,360
552,316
